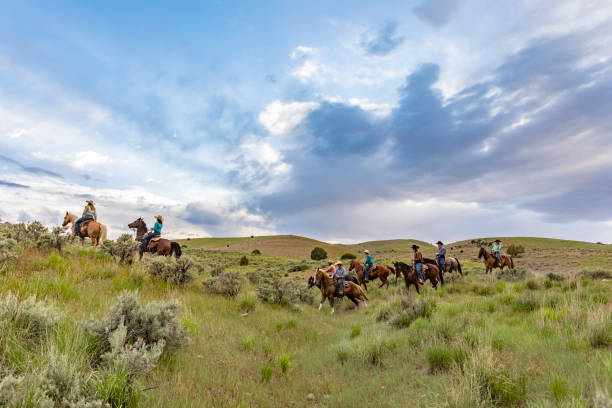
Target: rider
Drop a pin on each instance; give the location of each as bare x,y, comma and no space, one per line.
369,262
89,213
340,273
331,269
418,262
497,251
155,231
441,256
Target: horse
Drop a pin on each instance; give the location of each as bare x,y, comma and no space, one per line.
450,264
490,260
94,230
431,272
329,289
160,246
381,272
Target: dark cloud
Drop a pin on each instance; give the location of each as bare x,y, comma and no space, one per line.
14,185
29,169
383,41
544,111
438,12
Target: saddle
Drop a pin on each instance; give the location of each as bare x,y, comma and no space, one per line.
155,239
84,223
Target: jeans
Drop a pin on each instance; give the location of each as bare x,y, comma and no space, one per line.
419,269
146,238
77,232
341,285
441,264
367,270
498,256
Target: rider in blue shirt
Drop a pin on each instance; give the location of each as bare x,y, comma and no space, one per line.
497,251
441,256
155,232
340,274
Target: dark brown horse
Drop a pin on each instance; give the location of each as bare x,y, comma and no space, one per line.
376,272
450,264
329,289
159,246
490,260
431,272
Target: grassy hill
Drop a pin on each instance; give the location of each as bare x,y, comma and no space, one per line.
481,340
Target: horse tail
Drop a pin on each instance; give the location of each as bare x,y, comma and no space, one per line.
176,249
103,232
511,262
458,266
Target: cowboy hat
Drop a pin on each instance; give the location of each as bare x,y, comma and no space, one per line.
90,202
159,218
339,263
497,240
439,243
415,246
365,251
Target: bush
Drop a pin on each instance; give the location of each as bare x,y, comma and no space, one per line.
500,387
266,373
355,331
133,337
8,252
122,250
442,357
597,274
284,364
515,250
512,275
318,254
31,317
532,285
244,261
483,290
298,267
401,314
525,304
226,283
282,291
178,271
555,277
256,252
348,255
247,302
601,335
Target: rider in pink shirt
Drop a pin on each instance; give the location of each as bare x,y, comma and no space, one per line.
330,271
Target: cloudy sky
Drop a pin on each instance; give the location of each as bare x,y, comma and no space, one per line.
344,121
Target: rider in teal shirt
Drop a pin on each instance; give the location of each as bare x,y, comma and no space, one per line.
155,231
369,262
497,250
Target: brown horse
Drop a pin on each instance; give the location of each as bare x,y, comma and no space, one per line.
160,246
376,272
431,273
92,229
490,260
329,289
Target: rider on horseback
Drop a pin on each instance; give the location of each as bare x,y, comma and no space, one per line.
418,262
369,262
89,213
331,269
441,256
340,274
496,251
155,232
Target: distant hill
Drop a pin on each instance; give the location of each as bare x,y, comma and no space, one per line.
390,249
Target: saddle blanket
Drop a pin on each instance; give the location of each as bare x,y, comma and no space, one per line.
155,239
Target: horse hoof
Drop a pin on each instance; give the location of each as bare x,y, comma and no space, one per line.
332,312
320,306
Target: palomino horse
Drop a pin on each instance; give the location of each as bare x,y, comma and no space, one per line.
330,291
490,260
431,272
160,246
94,230
381,272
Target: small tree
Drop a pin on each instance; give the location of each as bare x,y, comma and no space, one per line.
348,256
244,261
515,250
318,254
256,252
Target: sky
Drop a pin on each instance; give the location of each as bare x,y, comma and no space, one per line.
344,121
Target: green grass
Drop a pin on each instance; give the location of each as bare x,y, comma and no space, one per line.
485,342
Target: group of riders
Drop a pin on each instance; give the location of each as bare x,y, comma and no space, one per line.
338,273
90,214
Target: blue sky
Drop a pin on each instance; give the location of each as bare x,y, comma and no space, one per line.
344,121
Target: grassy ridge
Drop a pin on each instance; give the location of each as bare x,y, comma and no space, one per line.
486,342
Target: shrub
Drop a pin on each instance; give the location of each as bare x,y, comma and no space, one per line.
348,255
401,314
298,267
244,261
253,276
227,283
122,250
133,337
284,364
525,304
512,275
500,387
355,331
483,290
548,284
282,291
601,335
318,254
515,250
178,271
597,274
247,302
266,373
256,252
31,317
555,277
442,357
8,252
532,285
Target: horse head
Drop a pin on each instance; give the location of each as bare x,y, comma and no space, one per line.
311,282
66,219
482,252
353,264
137,223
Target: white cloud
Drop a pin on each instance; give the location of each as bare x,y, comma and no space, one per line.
305,71
88,158
280,118
301,51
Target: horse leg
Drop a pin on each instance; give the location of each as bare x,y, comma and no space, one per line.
140,252
352,297
331,303
83,242
323,297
